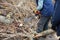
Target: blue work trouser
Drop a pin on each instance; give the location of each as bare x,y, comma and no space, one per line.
43,24
56,18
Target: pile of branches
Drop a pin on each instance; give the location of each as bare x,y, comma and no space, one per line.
17,20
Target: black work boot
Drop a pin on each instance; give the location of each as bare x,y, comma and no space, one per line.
54,28
59,38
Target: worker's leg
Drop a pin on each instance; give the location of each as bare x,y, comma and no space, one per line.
56,15
46,24
43,22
